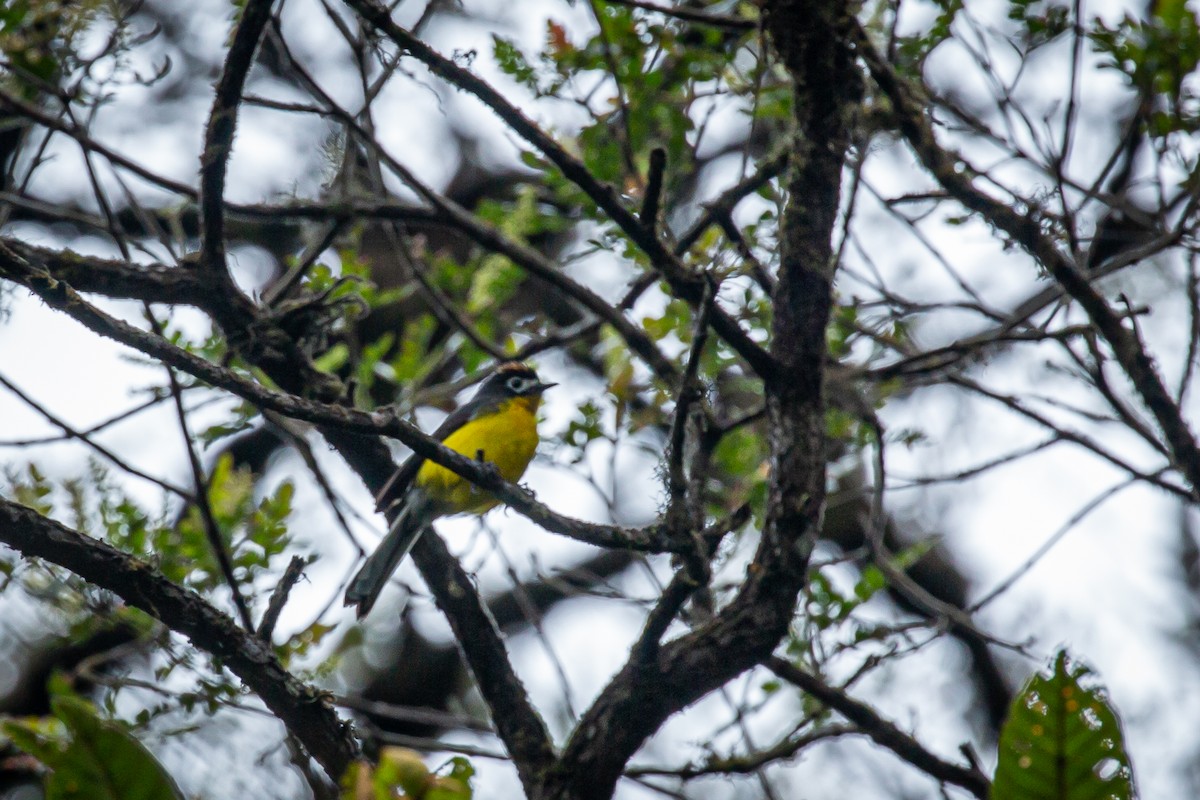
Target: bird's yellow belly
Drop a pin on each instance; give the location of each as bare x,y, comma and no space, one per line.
507,438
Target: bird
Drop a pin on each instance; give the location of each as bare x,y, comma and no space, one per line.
497,425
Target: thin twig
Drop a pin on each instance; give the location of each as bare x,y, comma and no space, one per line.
420,716
690,15
212,529
685,283
784,750
218,145
882,731
1056,537
382,422
279,597
83,436
683,509
94,429
654,186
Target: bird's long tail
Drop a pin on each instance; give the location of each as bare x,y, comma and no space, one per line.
370,579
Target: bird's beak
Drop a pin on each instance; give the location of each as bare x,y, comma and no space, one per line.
541,387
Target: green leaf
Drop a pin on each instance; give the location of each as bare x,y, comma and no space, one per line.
29,487
461,770
93,758
512,62
871,582
243,419
913,50
333,359
1159,55
402,769
496,281
1062,741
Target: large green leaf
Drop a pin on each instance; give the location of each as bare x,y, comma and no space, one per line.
95,759
1062,741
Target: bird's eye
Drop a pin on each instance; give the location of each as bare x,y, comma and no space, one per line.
518,385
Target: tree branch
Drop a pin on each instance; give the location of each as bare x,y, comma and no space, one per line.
690,15
152,283
727,201
881,731
305,711
1023,226
684,283
516,720
653,538
645,692
214,160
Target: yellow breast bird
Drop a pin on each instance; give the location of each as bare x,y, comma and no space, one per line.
498,424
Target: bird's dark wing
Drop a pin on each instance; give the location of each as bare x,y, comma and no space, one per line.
402,478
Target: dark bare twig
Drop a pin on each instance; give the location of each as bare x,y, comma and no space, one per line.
723,206
966,473
157,398
29,111
279,597
654,187
1074,437
212,530
384,422
302,708
85,436
734,765
1024,228
754,267
422,716
1095,370
684,283
303,448
425,744
285,286
690,15
443,308
1054,538
955,618
881,731
682,506
1193,296
214,160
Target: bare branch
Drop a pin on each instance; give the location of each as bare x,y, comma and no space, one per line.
85,436
733,765
305,710
684,283
385,422
218,144
654,186
1023,226
293,573
690,15
212,530
881,731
